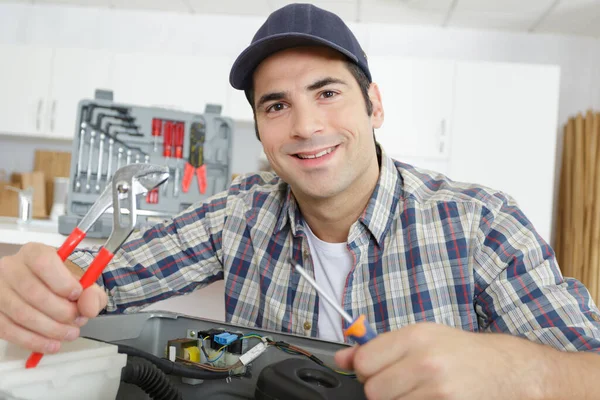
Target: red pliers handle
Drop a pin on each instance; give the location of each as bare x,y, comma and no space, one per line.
95,269
188,175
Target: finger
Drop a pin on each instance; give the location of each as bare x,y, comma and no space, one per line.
92,301
390,347
27,317
13,333
395,381
431,392
45,263
344,358
38,295
379,353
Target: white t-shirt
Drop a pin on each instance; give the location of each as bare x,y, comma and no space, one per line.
332,263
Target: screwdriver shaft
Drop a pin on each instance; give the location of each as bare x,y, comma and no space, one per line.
333,303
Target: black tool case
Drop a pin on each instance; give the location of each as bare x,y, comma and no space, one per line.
109,135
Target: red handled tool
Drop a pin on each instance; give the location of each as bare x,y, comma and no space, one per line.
167,145
168,139
179,134
156,130
128,182
152,197
195,162
359,329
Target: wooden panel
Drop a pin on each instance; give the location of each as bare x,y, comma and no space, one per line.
36,180
54,164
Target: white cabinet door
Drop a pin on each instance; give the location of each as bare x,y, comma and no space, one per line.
24,88
76,74
417,100
174,81
238,106
504,133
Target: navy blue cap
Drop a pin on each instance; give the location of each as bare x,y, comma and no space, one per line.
292,26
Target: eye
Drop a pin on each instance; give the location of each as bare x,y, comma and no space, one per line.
328,93
276,107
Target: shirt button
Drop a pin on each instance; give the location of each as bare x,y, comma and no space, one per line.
596,317
307,326
306,253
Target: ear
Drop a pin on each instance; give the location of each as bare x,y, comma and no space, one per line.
375,96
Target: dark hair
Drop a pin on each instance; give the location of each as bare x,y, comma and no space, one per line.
357,73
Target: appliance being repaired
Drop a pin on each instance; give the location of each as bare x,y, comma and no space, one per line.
161,355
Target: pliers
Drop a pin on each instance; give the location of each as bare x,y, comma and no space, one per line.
128,182
196,159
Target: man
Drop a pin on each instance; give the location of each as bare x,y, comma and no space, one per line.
427,260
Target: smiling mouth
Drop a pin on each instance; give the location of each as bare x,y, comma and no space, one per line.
307,156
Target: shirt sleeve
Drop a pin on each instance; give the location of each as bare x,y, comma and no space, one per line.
169,259
520,290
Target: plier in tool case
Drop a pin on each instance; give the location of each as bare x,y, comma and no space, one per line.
128,182
196,159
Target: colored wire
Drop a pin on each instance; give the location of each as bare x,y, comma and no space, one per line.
283,346
219,356
291,349
208,367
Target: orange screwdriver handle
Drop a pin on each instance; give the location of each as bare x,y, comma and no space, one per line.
360,331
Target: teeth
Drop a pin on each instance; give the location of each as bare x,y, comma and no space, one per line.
320,154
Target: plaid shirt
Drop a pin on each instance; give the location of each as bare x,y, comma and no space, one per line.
425,249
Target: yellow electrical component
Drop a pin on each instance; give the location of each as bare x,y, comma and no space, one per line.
192,353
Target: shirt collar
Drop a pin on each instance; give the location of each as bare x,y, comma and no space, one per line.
377,216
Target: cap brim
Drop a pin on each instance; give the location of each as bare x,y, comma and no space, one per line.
240,76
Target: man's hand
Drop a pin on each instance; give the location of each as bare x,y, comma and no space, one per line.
429,361
41,301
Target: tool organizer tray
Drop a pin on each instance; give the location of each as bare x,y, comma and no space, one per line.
108,135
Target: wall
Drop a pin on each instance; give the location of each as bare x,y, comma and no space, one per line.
196,34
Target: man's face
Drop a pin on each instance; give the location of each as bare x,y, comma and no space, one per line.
312,121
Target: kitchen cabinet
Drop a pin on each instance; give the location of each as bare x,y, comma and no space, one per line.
42,86
174,81
76,74
417,98
238,106
504,133
25,76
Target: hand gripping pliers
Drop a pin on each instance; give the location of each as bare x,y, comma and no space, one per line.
127,183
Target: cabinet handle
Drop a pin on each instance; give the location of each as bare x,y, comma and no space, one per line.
443,136
39,113
52,115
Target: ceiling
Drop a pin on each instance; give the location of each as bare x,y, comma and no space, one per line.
573,17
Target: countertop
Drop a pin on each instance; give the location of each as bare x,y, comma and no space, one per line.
41,231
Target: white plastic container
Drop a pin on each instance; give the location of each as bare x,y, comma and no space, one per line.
83,369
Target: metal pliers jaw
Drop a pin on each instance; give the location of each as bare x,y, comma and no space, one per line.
126,186
127,182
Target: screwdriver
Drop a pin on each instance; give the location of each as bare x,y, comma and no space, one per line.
359,329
